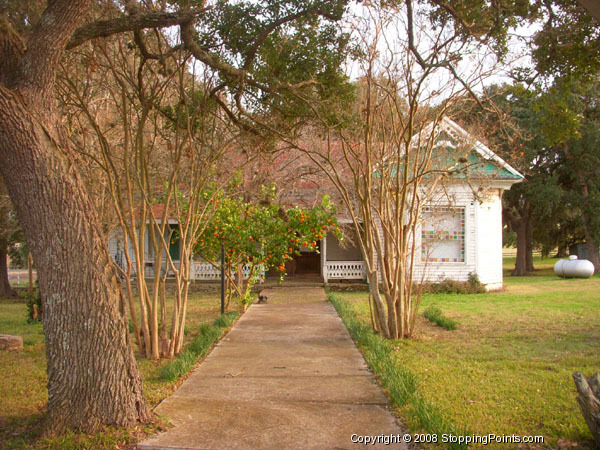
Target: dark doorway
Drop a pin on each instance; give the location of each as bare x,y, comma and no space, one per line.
305,265
174,242
308,263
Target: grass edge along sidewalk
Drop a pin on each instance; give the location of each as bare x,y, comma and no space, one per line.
199,347
400,385
170,375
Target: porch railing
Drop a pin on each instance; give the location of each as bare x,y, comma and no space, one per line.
198,271
206,271
345,270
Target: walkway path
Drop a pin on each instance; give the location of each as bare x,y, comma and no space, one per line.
287,376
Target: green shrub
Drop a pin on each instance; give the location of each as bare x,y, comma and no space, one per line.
448,286
198,347
475,283
434,314
34,307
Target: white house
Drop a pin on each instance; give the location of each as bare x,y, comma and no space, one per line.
199,270
461,230
116,246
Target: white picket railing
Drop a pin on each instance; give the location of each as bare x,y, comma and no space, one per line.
206,271
200,271
333,270
345,270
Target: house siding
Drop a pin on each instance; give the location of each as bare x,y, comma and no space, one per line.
335,252
460,196
489,239
116,246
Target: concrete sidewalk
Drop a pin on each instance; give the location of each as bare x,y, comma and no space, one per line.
287,376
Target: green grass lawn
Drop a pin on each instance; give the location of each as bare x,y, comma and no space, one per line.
23,380
507,368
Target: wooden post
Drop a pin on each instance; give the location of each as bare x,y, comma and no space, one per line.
30,267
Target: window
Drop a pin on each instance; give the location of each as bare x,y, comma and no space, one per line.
443,234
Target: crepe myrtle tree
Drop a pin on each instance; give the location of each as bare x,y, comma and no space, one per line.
383,151
156,138
260,236
93,377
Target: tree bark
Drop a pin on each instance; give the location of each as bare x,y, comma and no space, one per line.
585,209
30,272
521,221
6,291
92,374
588,398
593,252
521,261
378,307
529,256
588,226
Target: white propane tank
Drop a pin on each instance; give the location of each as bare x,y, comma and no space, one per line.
574,268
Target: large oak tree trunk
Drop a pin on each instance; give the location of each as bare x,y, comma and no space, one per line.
588,225
593,252
529,256
521,261
586,207
92,373
521,222
6,291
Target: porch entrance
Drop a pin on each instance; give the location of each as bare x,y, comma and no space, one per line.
308,263
174,242
306,266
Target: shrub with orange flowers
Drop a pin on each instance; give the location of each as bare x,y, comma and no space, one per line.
261,236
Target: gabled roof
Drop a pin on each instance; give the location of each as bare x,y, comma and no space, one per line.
495,166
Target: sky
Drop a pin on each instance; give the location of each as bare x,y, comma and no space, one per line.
479,66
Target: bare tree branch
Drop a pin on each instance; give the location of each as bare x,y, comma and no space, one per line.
423,63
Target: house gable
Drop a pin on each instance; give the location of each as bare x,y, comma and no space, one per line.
482,162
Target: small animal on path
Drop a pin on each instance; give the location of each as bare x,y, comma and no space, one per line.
262,297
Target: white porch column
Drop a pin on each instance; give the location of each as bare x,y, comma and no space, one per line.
324,259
